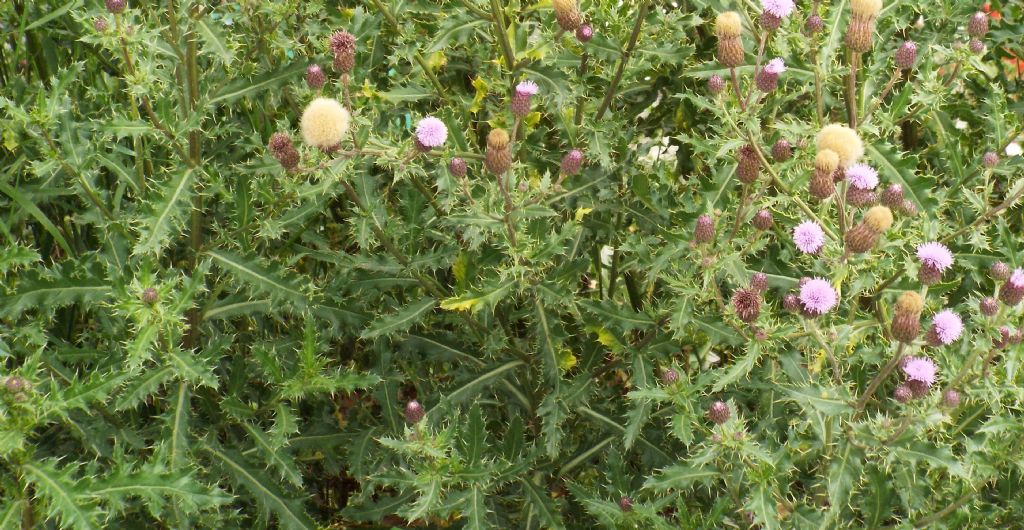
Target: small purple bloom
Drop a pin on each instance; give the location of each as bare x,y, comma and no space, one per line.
775,66
921,369
779,8
809,237
527,88
818,296
862,176
937,256
431,132
948,326
1017,278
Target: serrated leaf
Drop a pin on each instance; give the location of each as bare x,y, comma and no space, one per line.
275,455
290,513
762,504
245,87
399,321
167,214
269,279
478,300
475,510
680,476
63,495
213,39
542,505
472,387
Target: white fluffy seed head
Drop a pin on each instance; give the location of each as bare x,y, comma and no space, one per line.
324,123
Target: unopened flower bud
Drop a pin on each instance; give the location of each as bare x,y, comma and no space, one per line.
759,282
860,238
781,151
763,220
813,25
705,230
747,303
748,165
282,149
1004,338
315,77
584,33
976,46
116,6
929,274
902,393
414,412
990,160
988,306
951,398
719,412
669,376
715,84
457,167
572,162
343,46
906,54
892,196
15,384
20,397
999,271
99,24
626,504
908,208
1011,293
977,26
791,303
150,296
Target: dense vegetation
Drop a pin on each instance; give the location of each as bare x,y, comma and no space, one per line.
486,264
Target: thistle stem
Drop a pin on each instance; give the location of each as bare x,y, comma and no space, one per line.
501,32
626,54
851,89
879,379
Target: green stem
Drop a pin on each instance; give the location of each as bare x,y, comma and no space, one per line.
851,89
610,94
879,379
501,33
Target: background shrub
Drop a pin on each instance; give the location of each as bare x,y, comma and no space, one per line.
654,301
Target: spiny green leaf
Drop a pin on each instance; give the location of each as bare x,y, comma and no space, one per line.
269,279
166,214
401,320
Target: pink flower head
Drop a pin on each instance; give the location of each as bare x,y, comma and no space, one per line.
779,8
921,369
1017,278
809,237
775,66
431,132
862,176
527,88
818,296
948,326
936,255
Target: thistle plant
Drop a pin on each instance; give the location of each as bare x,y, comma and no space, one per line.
481,264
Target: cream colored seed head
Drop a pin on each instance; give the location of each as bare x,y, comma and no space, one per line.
728,24
324,123
564,5
909,302
879,218
497,139
827,161
866,8
843,140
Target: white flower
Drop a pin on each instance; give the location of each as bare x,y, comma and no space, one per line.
1014,149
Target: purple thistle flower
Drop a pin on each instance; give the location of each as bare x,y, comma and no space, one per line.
431,132
1017,278
862,176
572,162
527,88
818,296
920,369
775,66
905,55
809,237
947,326
935,255
779,8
